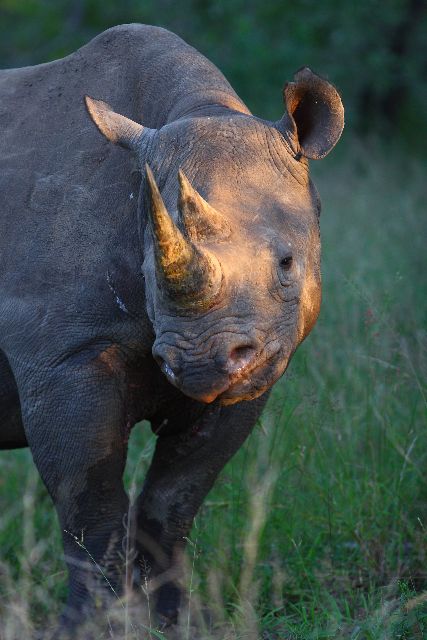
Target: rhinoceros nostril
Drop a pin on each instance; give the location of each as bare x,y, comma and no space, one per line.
166,369
240,357
169,372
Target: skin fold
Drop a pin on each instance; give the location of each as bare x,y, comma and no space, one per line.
162,265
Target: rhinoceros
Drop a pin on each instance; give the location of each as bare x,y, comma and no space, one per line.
162,265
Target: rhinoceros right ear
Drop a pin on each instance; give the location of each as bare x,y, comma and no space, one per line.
314,116
114,127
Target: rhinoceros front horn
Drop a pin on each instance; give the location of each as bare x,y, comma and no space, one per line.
191,276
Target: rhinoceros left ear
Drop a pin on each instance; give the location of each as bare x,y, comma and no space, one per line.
315,114
115,127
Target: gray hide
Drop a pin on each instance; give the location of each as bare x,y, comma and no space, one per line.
170,280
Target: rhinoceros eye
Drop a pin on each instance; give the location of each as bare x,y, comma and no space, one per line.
286,263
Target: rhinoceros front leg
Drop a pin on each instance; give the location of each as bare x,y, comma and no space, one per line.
75,422
184,468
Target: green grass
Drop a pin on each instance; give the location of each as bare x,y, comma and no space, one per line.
317,529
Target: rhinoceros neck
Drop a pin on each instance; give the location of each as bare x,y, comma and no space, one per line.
165,77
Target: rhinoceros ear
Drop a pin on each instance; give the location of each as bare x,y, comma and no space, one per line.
114,127
315,114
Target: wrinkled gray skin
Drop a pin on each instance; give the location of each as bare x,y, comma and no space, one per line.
87,315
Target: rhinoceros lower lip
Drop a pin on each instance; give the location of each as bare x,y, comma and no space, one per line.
209,396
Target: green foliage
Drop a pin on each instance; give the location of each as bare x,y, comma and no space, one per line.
375,52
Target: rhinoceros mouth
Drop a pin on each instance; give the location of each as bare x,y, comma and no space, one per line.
246,383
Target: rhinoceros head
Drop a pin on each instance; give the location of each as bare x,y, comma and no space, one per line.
232,246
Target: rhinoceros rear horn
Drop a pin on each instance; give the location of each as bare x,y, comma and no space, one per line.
191,276
115,127
200,219
314,114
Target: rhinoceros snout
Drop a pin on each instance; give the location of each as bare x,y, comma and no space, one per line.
206,379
